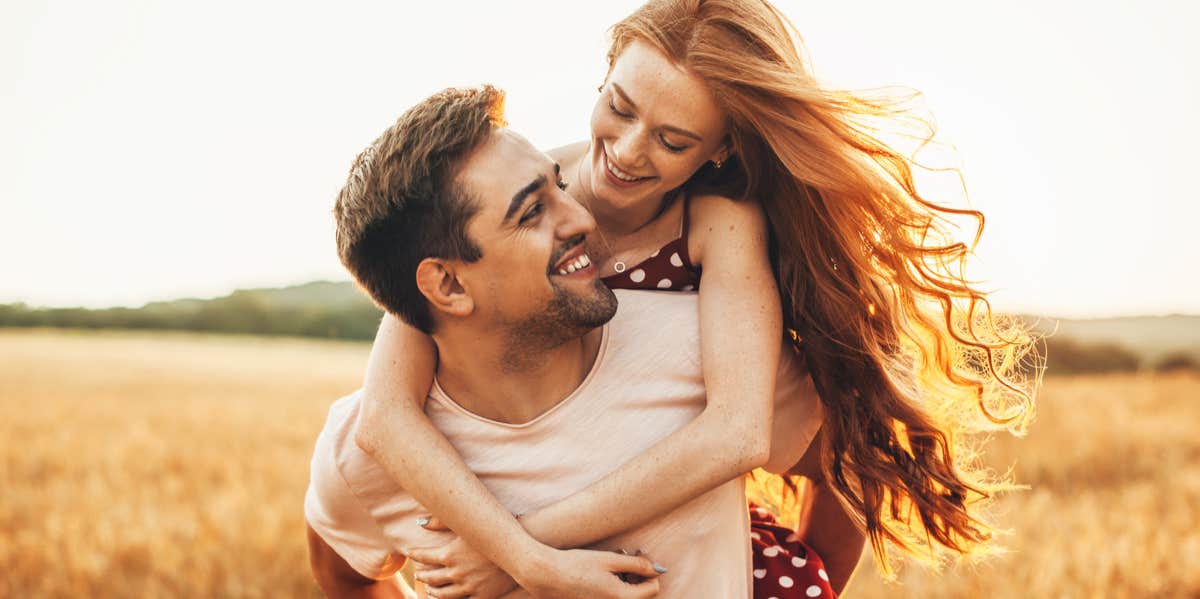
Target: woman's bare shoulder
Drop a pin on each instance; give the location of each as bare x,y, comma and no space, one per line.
717,218
568,154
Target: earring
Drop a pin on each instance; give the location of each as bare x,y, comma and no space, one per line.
718,163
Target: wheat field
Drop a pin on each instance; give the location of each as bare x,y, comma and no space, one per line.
173,465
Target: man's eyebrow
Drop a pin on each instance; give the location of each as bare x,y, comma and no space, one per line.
519,198
671,128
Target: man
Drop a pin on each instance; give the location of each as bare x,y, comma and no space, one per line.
462,228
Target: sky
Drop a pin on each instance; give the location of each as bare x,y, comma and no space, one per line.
156,150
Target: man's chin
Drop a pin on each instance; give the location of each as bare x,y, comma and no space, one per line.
586,305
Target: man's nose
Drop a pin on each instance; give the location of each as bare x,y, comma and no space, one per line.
576,219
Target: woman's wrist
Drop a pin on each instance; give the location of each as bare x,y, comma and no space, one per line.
531,564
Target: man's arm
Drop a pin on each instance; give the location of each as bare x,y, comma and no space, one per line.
339,581
824,524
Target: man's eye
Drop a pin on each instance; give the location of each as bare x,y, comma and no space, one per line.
533,211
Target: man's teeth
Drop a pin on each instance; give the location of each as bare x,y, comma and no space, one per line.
620,174
579,263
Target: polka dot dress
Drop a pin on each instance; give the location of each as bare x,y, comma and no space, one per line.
670,268
784,567
665,269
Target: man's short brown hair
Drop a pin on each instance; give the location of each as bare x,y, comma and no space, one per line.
401,203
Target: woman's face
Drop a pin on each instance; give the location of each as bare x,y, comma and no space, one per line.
653,126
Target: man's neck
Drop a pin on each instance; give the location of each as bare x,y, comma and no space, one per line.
481,377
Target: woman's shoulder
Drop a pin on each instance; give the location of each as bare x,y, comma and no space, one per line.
568,154
716,219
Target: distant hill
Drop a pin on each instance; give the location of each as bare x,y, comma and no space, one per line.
1150,337
317,309
316,294
340,310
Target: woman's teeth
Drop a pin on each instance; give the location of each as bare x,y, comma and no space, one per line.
620,174
579,263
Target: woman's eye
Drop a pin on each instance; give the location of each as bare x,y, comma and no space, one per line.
613,107
533,211
670,146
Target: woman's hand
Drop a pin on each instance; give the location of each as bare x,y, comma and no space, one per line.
455,570
586,574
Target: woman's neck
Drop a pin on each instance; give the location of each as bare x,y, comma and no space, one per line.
612,222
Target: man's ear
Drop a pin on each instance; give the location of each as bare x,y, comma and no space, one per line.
438,281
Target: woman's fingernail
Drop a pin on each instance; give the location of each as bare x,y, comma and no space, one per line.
660,569
422,522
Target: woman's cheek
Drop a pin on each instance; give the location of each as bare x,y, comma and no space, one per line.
675,169
599,124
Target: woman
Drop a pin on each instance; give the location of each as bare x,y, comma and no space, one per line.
713,148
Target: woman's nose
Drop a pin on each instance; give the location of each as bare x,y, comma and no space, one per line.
627,149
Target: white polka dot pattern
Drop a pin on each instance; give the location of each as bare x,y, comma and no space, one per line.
784,569
637,276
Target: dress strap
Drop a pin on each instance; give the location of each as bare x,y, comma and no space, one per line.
683,235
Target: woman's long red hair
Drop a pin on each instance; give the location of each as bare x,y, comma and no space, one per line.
903,349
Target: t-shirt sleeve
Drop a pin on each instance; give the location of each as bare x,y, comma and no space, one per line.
798,412
337,515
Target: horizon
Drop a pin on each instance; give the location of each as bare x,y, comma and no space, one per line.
148,162
352,283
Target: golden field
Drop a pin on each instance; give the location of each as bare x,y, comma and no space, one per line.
174,465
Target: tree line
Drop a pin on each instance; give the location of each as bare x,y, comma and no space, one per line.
338,311
246,312
1065,355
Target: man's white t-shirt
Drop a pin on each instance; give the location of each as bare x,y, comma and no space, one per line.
646,383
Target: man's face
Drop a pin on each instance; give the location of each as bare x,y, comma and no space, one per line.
535,280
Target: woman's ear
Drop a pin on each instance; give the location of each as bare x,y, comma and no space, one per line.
438,281
721,155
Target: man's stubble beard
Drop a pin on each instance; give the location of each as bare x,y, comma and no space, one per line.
566,317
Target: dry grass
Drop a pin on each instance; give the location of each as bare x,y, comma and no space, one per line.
1113,508
162,465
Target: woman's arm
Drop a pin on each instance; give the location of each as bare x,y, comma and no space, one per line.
393,429
740,333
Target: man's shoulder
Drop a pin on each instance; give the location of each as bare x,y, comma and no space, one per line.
337,459
637,305
647,321
337,435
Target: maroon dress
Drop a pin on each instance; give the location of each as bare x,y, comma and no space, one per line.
784,567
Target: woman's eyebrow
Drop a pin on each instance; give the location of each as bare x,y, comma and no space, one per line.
670,128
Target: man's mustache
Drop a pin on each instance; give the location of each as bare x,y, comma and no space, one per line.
567,246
